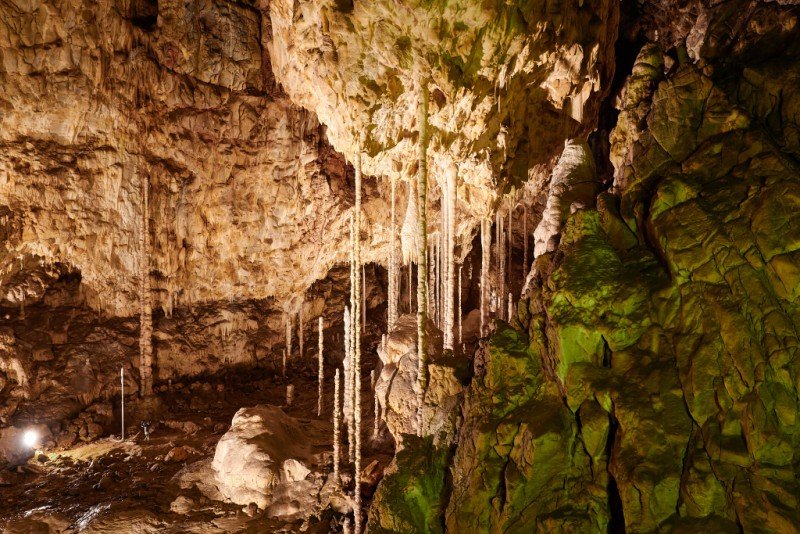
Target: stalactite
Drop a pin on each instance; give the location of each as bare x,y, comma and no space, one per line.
320,370
357,337
510,307
435,279
422,275
501,250
336,438
525,240
363,303
377,423
146,308
458,310
409,233
122,400
410,285
284,363
510,243
450,268
348,383
486,243
353,314
393,278
300,335
288,334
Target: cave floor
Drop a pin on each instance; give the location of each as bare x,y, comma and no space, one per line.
111,486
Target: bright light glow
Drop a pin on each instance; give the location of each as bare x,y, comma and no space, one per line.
30,438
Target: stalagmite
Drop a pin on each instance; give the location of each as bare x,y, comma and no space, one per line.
320,370
422,278
289,394
336,416
145,306
486,243
510,307
450,267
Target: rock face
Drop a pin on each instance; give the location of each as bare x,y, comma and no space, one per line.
654,385
509,81
265,454
396,385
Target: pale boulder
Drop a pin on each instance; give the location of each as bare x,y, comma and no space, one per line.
263,454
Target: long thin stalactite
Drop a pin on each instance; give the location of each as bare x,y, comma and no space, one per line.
422,266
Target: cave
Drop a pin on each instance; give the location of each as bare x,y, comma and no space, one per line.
463,266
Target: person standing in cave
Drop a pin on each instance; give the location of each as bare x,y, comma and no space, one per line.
146,430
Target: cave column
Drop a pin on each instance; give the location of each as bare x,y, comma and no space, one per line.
146,307
422,278
450,267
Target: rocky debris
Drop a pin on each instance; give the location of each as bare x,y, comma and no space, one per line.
90,425
182,505
265,459
177,454
396,385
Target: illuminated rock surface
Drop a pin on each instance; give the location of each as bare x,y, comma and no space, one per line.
647,380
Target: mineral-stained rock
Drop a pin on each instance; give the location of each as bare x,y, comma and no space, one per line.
397,383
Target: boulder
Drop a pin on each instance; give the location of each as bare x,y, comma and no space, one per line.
264,454
396,386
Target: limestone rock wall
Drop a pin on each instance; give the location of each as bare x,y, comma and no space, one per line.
650,379
247,200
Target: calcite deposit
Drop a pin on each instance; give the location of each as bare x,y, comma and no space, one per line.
177,185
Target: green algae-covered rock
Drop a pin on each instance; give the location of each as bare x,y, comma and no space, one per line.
411,497
520,465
